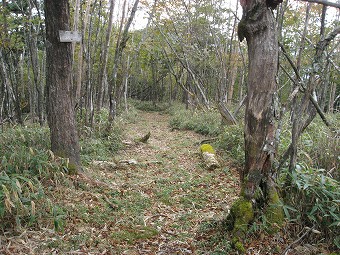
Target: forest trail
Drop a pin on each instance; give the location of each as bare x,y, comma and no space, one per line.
179,193
157,199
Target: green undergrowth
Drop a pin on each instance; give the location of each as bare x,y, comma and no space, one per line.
28,167
314,194
313,201
26,164
103,139
230,139
231,143
313,197
149,106
318,146
202,122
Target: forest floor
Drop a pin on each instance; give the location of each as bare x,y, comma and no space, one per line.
151,198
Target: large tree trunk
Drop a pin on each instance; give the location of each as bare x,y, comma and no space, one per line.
61,117
259,28
259,120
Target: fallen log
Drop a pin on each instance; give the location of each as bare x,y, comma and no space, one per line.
209,156
144,139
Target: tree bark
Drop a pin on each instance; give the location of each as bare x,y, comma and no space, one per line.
260,31
303,37
7,95
258,188
61,117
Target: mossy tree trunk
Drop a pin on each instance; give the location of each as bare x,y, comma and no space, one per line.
258,186
60,111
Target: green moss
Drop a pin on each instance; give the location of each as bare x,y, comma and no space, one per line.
242,213
131,236
274,212
72,168
60,153
207,148
258,194
239,247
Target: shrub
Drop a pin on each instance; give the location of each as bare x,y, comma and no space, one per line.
320,147
101,146
103,139
202,122
30,136
25,163
314,201
231,141
150,106
18,198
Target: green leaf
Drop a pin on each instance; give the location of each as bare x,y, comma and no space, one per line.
334,215
314,209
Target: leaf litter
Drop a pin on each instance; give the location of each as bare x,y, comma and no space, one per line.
151,198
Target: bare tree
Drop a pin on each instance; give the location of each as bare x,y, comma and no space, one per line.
103,73
121,44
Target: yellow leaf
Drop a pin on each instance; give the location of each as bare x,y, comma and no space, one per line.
32,208
18,185
9,204
16,197
30,185
51,155
4,188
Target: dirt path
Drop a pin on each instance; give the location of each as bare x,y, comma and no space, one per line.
180,195
157,199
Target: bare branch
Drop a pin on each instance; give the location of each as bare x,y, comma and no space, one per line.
326,3
299,84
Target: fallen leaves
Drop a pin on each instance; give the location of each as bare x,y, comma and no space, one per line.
151,198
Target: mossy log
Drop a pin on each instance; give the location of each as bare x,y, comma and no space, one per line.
209,157
145,138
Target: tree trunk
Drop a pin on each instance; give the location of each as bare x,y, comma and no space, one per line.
232,70
61,117
259,120
259,28
103,72
80,66
233,77
331,100
303,37
121,44
7,95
